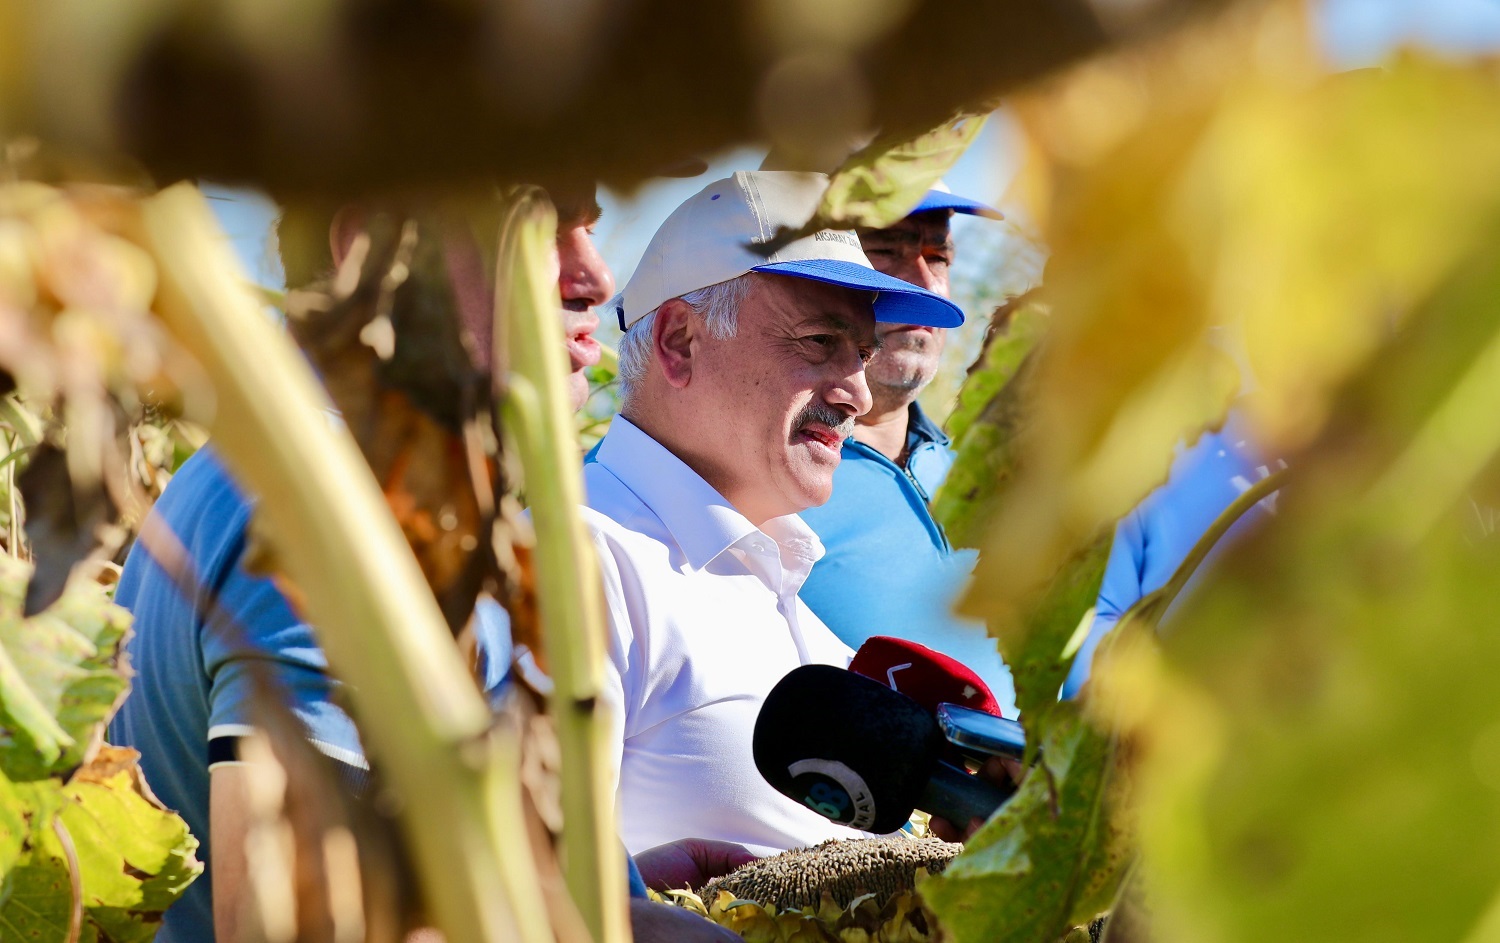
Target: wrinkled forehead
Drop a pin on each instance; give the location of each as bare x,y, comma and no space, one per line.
804,303
858,326
932,226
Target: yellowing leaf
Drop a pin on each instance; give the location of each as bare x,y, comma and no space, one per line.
134,854
880,184
134,857
1053,856
1273,802
1325,215
992,412
1034,646
38,900
883,182
1127,372
58,674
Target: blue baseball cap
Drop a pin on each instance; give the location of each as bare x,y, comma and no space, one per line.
941,198
720,232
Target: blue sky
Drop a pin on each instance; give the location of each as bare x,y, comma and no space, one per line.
1361,32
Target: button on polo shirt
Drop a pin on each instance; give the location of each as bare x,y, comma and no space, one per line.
703,620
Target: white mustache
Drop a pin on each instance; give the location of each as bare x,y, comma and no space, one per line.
840,422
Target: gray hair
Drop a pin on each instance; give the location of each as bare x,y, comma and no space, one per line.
718,305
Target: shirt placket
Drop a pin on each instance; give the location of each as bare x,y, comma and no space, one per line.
786,604
763,556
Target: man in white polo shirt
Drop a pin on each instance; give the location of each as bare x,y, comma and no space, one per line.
743,373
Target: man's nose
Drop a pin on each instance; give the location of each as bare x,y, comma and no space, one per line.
583,275
924,275
852,394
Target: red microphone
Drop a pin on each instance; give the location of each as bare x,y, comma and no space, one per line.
930,678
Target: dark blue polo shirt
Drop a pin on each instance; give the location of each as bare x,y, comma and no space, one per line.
193,669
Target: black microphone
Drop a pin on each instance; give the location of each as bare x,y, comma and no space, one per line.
856,752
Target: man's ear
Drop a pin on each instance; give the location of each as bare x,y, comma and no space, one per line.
673,332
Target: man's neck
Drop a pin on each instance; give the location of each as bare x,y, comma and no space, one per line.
884,430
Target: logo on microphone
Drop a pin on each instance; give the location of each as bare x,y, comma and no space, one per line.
834,791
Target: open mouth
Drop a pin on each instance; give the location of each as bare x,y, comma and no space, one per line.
583,350
821,438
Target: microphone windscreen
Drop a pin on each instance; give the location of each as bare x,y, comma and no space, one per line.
847,747
928,677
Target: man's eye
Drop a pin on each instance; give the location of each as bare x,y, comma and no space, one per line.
823,340
866,354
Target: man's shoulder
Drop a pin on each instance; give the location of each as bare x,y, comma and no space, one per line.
201,485
207,514
607,499
204,506
614,514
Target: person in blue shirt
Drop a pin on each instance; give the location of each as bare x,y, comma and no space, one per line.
888,568
199,657
1153,540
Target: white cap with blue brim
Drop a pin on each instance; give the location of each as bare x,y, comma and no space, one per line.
719,232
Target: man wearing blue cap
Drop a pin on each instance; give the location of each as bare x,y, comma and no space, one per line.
743,372
889,569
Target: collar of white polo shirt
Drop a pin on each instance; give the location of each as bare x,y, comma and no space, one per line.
703,522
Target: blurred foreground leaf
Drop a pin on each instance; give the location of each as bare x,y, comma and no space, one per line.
92,422
1322,740
881,183
344,96
1221,217
1321,737
59,674
1326,211
1127,371
1023,853
878,186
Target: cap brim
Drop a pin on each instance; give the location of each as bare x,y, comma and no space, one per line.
898,302
938,200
